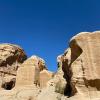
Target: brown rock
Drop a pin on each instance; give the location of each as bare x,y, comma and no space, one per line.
80,65
77,77
83,72
10,54
55,87
11,57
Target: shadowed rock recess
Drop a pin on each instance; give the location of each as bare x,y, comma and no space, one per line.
77,77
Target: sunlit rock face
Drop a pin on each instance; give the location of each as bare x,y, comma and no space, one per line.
29,72
11,57
45,76
36,61
82,67
77,77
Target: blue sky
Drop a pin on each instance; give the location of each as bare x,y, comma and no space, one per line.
44,27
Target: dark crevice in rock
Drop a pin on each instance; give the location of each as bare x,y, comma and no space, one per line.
76,51
10,60
9,85
68,90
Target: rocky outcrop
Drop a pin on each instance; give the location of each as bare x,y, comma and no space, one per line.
45,76
81,68
11,57
77,77
10,54
27,85
35,61
29,72
56,86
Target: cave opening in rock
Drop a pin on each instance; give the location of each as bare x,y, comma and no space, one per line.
9,85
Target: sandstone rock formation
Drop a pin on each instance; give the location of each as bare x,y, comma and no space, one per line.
79,66
36,61
81,69
11,57
29,72
45,76
77,77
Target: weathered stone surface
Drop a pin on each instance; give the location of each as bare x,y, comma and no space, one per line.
10,54
25,76
11,57
20,93
45,76
58,82
27,81
36,61
29,72
49,94
83,71
80,65
77,77
55,89
8,82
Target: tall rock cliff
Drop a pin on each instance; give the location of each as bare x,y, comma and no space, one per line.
82,68
77,77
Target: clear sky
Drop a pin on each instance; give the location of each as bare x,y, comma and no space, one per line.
44,27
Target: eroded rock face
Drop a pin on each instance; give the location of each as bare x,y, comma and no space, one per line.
27,84
29,72
36,61
45,76
25,76
10,53
79,66
82,69
56,86
11,57
77,77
